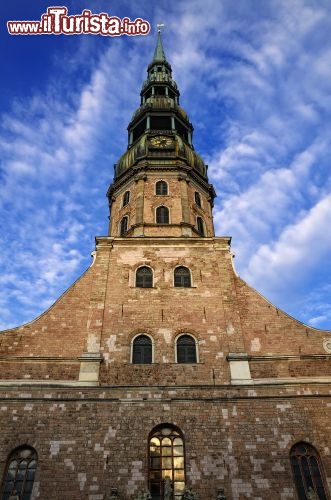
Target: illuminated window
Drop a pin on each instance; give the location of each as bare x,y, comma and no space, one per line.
19,474
126,198
142,350
161,188
200,226
162,215
166,463
182,277
186,349
144,277
124,226
307,471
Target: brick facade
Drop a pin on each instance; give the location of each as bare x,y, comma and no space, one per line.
260,382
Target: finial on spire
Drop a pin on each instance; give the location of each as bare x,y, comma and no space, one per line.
159,54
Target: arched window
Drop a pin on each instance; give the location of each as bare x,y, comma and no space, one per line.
162,215
142,350
197,198
126,198
161,188
186,349
124,224
166,463
182,277
307,471
19,473
144,277
200,226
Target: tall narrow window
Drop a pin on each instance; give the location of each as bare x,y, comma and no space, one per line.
186,349
124,226
166,463
182,277
142,350
307,471
197,198
162,215
161,188
126,198
144,277
19,474
200,226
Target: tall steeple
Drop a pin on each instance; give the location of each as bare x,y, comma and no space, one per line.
159,54
160,152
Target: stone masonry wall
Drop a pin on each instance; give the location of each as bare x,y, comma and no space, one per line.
91,440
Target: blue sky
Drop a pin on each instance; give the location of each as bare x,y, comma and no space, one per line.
255,79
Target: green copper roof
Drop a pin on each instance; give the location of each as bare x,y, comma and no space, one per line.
159,54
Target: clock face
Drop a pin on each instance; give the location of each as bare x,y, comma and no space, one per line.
161,141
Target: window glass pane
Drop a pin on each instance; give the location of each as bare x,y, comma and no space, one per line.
161,188
142,350
126,198
144,277
317,478
178,462
178,451
162,215
182,277
200,226
20,473
197,198
155,442
166,463
306,473
179,487
186,350
179,475
306,468
172,464
155,462
166,451
123,226
167,473
166,431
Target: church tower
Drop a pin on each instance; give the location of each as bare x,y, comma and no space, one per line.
160,374
161,186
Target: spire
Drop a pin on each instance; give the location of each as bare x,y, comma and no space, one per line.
159,54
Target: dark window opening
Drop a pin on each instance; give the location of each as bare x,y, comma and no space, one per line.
139,129
200,226
144,277
186,349
182,277
160,123
159,90
124,226
162,215
19,474
126,198
161,188
142,350
197,198
166,463
307,471
183,132
148,93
